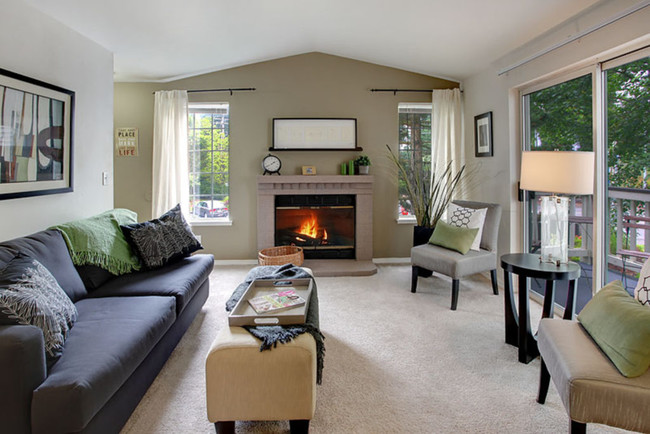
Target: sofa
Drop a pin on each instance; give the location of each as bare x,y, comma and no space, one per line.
125,330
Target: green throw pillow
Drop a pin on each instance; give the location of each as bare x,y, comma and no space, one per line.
453,237
620,325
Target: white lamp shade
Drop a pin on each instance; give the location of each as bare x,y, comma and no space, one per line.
566,172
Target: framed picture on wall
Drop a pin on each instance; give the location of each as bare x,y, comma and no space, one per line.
483,135
315,134
36,121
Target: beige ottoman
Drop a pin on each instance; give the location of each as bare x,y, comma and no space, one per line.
244,383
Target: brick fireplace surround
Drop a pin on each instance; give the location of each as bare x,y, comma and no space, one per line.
359,185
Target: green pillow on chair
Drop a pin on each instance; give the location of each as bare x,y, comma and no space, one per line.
620,325
453,237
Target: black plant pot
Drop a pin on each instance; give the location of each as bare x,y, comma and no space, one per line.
421,235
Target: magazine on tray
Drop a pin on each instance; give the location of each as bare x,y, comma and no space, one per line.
274,302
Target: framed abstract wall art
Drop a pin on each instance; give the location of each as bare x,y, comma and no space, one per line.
36,121
483,135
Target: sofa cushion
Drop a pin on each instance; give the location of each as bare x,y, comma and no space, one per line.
620,325
180,279
163,240
30,295
49,248
93,276
111,338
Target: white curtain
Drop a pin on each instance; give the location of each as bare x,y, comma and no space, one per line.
170,165
447,128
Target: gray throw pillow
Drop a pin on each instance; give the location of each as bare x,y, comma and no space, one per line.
163,240
30,295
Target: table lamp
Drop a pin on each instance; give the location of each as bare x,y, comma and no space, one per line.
554,172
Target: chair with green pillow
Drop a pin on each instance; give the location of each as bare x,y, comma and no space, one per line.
599,364
448,252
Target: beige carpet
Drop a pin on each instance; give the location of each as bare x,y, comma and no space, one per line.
395,362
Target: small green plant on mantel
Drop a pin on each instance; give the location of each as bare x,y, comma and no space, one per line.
429,196
362,160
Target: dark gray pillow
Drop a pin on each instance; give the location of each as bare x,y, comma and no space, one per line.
163,240
30,295
93,276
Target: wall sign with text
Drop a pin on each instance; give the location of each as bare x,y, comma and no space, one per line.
126,142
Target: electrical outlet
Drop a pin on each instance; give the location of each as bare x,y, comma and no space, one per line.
104,178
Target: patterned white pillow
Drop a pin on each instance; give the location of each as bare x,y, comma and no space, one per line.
642,290
30,295
468,218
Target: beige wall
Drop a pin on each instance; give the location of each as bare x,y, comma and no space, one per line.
488,91
308,85
37,46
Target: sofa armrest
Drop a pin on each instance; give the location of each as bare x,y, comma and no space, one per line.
22,369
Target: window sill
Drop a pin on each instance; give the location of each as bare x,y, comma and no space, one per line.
211,222
406,220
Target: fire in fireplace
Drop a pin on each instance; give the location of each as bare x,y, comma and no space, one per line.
323,225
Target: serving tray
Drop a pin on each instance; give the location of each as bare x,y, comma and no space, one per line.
244,314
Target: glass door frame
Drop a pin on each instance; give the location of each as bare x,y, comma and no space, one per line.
524,93
599,125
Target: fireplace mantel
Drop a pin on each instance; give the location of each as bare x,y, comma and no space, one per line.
359,185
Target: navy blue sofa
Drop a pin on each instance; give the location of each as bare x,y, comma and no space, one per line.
127,327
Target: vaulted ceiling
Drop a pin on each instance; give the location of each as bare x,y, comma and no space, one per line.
160,40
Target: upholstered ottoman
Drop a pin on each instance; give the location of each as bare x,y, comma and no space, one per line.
244,383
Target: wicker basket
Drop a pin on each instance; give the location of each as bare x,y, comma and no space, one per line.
281,255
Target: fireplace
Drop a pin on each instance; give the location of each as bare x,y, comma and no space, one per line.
337,193
323,225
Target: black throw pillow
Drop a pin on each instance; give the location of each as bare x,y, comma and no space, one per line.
163,240
30,295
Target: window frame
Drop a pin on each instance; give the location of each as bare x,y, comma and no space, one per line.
410,219
209,107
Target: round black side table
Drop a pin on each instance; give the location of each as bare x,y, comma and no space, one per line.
528,265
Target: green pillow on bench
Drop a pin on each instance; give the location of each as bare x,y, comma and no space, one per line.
620,325
453,237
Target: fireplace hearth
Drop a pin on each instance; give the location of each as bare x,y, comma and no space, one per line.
342,249
323,225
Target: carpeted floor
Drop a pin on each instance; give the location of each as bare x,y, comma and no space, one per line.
395,362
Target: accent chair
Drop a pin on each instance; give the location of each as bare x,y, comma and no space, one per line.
456,265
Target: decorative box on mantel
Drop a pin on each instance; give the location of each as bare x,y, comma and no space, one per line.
329,216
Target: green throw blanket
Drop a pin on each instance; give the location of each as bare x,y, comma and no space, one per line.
99,241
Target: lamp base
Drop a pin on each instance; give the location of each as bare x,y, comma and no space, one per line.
555,227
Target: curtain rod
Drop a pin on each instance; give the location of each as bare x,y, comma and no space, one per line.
405,90
231,90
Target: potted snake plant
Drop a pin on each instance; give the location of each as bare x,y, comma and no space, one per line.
429,195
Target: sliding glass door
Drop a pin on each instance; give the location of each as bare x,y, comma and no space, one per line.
559,117
605,108
627,90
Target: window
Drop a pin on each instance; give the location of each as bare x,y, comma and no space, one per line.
208,143
414,147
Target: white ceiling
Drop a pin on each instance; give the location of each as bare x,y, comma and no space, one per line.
159,40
